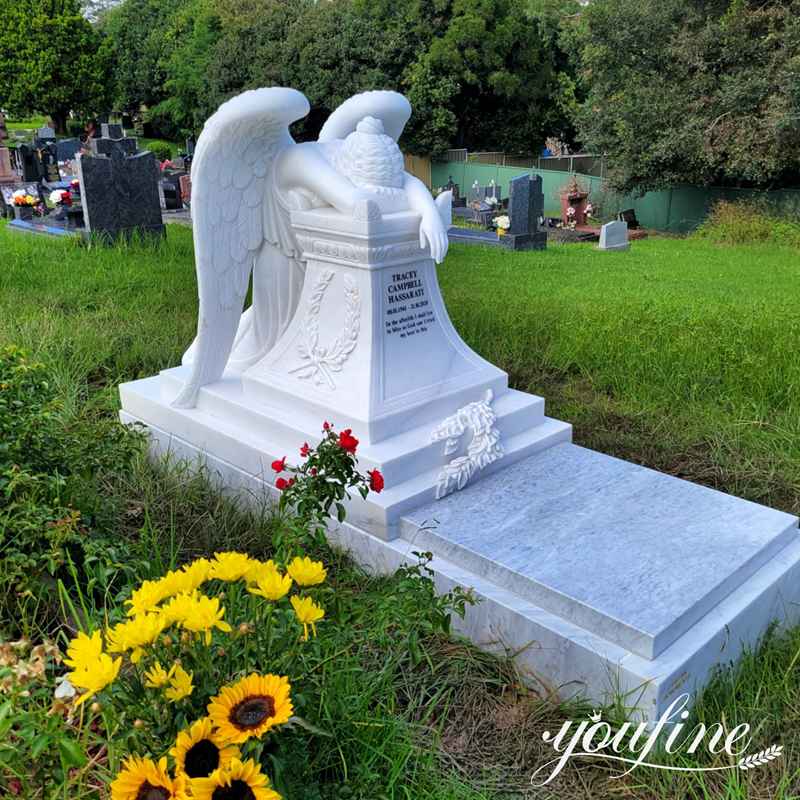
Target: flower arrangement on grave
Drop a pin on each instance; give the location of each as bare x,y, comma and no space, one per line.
60,197
23,199
502,224
571,221
589,209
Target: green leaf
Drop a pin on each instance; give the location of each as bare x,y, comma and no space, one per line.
72,754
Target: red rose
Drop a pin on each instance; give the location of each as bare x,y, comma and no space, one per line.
279,466
313,470
305,450
347,441
326,426
282,484
375,480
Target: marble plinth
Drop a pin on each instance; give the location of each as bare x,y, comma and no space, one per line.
748,583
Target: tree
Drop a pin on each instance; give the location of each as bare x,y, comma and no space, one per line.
51,60
692,92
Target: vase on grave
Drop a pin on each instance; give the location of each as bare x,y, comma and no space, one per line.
574,196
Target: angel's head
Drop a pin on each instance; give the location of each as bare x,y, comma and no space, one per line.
370,158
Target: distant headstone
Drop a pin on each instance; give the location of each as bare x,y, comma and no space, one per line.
171,191
31,165
190,145
67,149
111,130
46,134
120,194
629,217
525,209
614,236
105,146
3,129
186,189
48,155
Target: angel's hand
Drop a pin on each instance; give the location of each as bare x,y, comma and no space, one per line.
433,233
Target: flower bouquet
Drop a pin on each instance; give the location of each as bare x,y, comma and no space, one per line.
502,224
25,205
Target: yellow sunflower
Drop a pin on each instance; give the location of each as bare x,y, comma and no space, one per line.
200,750
231,566
306,572
84,650
239,781
308,613
251,707
143,779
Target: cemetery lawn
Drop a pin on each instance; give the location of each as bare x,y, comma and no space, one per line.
679,354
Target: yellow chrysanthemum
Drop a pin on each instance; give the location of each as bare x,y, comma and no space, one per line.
156,677
197,613
308,613
95,675
145,598
251,707
306,572
180,581
231,566
193,575
135,635
83,650
270,584
180,684
239,781
143,779
199,750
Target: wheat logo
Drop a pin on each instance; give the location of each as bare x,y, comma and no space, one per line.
630,746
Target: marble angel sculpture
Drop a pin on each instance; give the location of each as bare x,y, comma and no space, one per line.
248,174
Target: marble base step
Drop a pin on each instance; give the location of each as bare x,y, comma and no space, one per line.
756,582
227,425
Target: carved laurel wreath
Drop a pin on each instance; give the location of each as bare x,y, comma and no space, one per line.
483,449
322,361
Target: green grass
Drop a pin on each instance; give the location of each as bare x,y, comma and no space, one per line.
30,124
679,354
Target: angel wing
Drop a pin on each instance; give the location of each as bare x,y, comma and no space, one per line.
390,107
233,215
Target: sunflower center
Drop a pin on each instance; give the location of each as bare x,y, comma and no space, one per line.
238,790
201,759
149,792
250,713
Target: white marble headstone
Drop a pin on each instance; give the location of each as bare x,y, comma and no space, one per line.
614,236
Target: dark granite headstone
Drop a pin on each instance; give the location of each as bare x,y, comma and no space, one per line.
111,130
171,187
190,145
120,194
48,156
67,149
629,216
525,209
31,165
492,191
105,146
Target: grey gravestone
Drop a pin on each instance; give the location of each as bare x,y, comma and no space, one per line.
105,146
525,209
614,236
68,149
111,130
120,194
46,134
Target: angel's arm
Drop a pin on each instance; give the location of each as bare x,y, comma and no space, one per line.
431,228
303,165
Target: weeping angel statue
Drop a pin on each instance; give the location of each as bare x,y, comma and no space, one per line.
248,174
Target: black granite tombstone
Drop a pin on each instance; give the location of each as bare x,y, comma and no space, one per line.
120,194
105,146
525,209
67,149
111,130
31,165
629,216
48,156
458,200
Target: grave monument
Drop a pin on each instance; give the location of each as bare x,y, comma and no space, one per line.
7,174
604,577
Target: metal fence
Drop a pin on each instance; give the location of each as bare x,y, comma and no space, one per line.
583,163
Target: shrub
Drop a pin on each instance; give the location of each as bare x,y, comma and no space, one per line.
748,222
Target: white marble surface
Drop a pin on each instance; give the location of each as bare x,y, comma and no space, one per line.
630,554
550,651
614,236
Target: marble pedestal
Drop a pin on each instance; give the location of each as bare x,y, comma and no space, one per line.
604,578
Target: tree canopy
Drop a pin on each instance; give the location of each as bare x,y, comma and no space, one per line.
51,59
692,92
